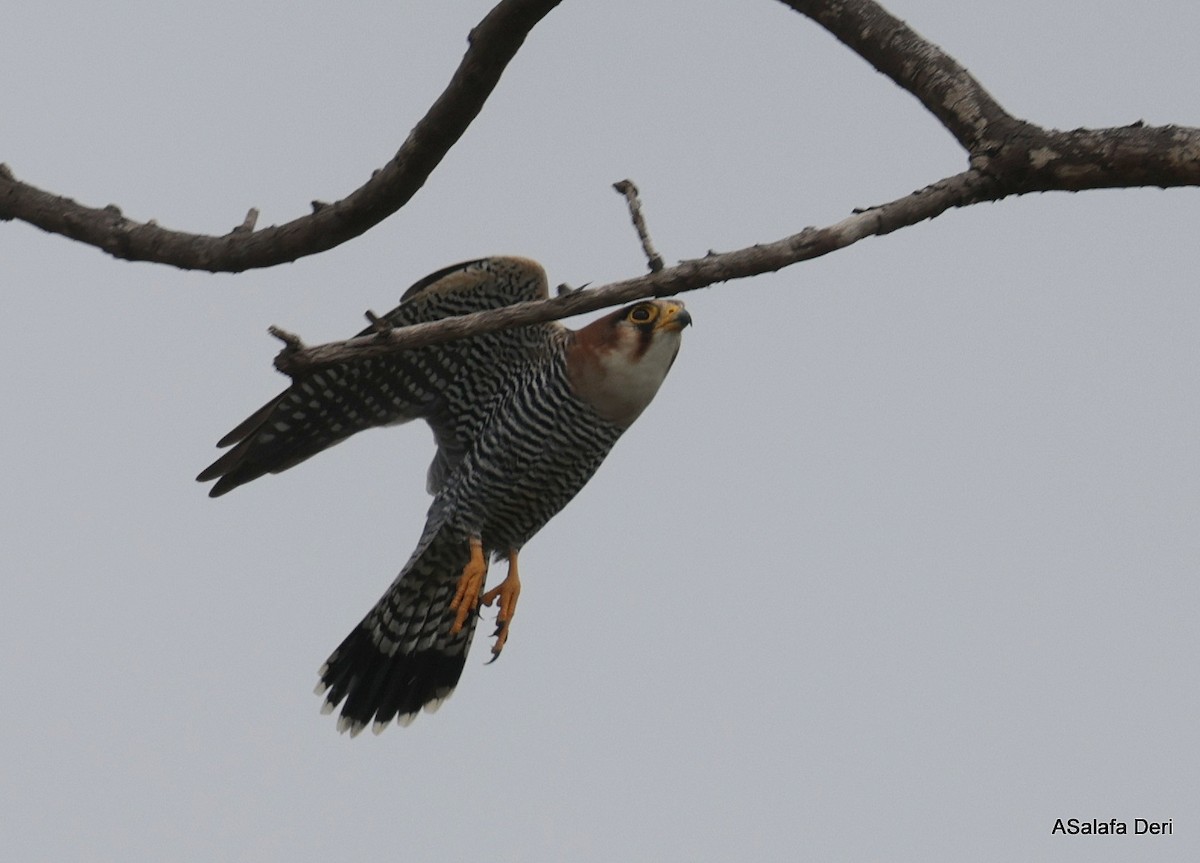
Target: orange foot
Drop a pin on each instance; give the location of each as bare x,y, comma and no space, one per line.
469,585
507,593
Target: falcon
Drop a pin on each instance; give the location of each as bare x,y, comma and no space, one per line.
522,418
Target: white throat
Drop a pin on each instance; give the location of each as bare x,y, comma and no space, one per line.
619,387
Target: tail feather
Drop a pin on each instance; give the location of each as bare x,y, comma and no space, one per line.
402,657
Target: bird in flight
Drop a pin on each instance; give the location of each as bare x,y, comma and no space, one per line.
521,417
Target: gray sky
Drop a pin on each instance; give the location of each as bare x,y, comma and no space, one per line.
901,564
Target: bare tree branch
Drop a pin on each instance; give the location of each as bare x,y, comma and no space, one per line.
960,190
493,43
1007,156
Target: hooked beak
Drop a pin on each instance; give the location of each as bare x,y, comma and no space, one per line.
674,317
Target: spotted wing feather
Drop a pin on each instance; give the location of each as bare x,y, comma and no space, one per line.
444,384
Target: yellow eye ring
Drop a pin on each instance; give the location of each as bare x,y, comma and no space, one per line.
642,314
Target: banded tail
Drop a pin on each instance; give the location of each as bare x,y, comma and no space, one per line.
403,656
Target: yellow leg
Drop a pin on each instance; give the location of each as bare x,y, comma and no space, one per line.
507,593
469,585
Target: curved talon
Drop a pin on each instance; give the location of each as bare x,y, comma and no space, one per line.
501,635
469,585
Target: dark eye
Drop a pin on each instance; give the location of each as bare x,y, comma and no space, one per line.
642,314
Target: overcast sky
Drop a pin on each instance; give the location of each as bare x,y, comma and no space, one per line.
900,565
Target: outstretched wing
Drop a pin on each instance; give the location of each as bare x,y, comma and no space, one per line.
451,385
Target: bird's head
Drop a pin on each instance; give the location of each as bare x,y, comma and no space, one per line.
616,363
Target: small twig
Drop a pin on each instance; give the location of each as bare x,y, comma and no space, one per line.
292,340
292,347
248,223
378,324
630,191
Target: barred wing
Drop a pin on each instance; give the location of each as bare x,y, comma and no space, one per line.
450,385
